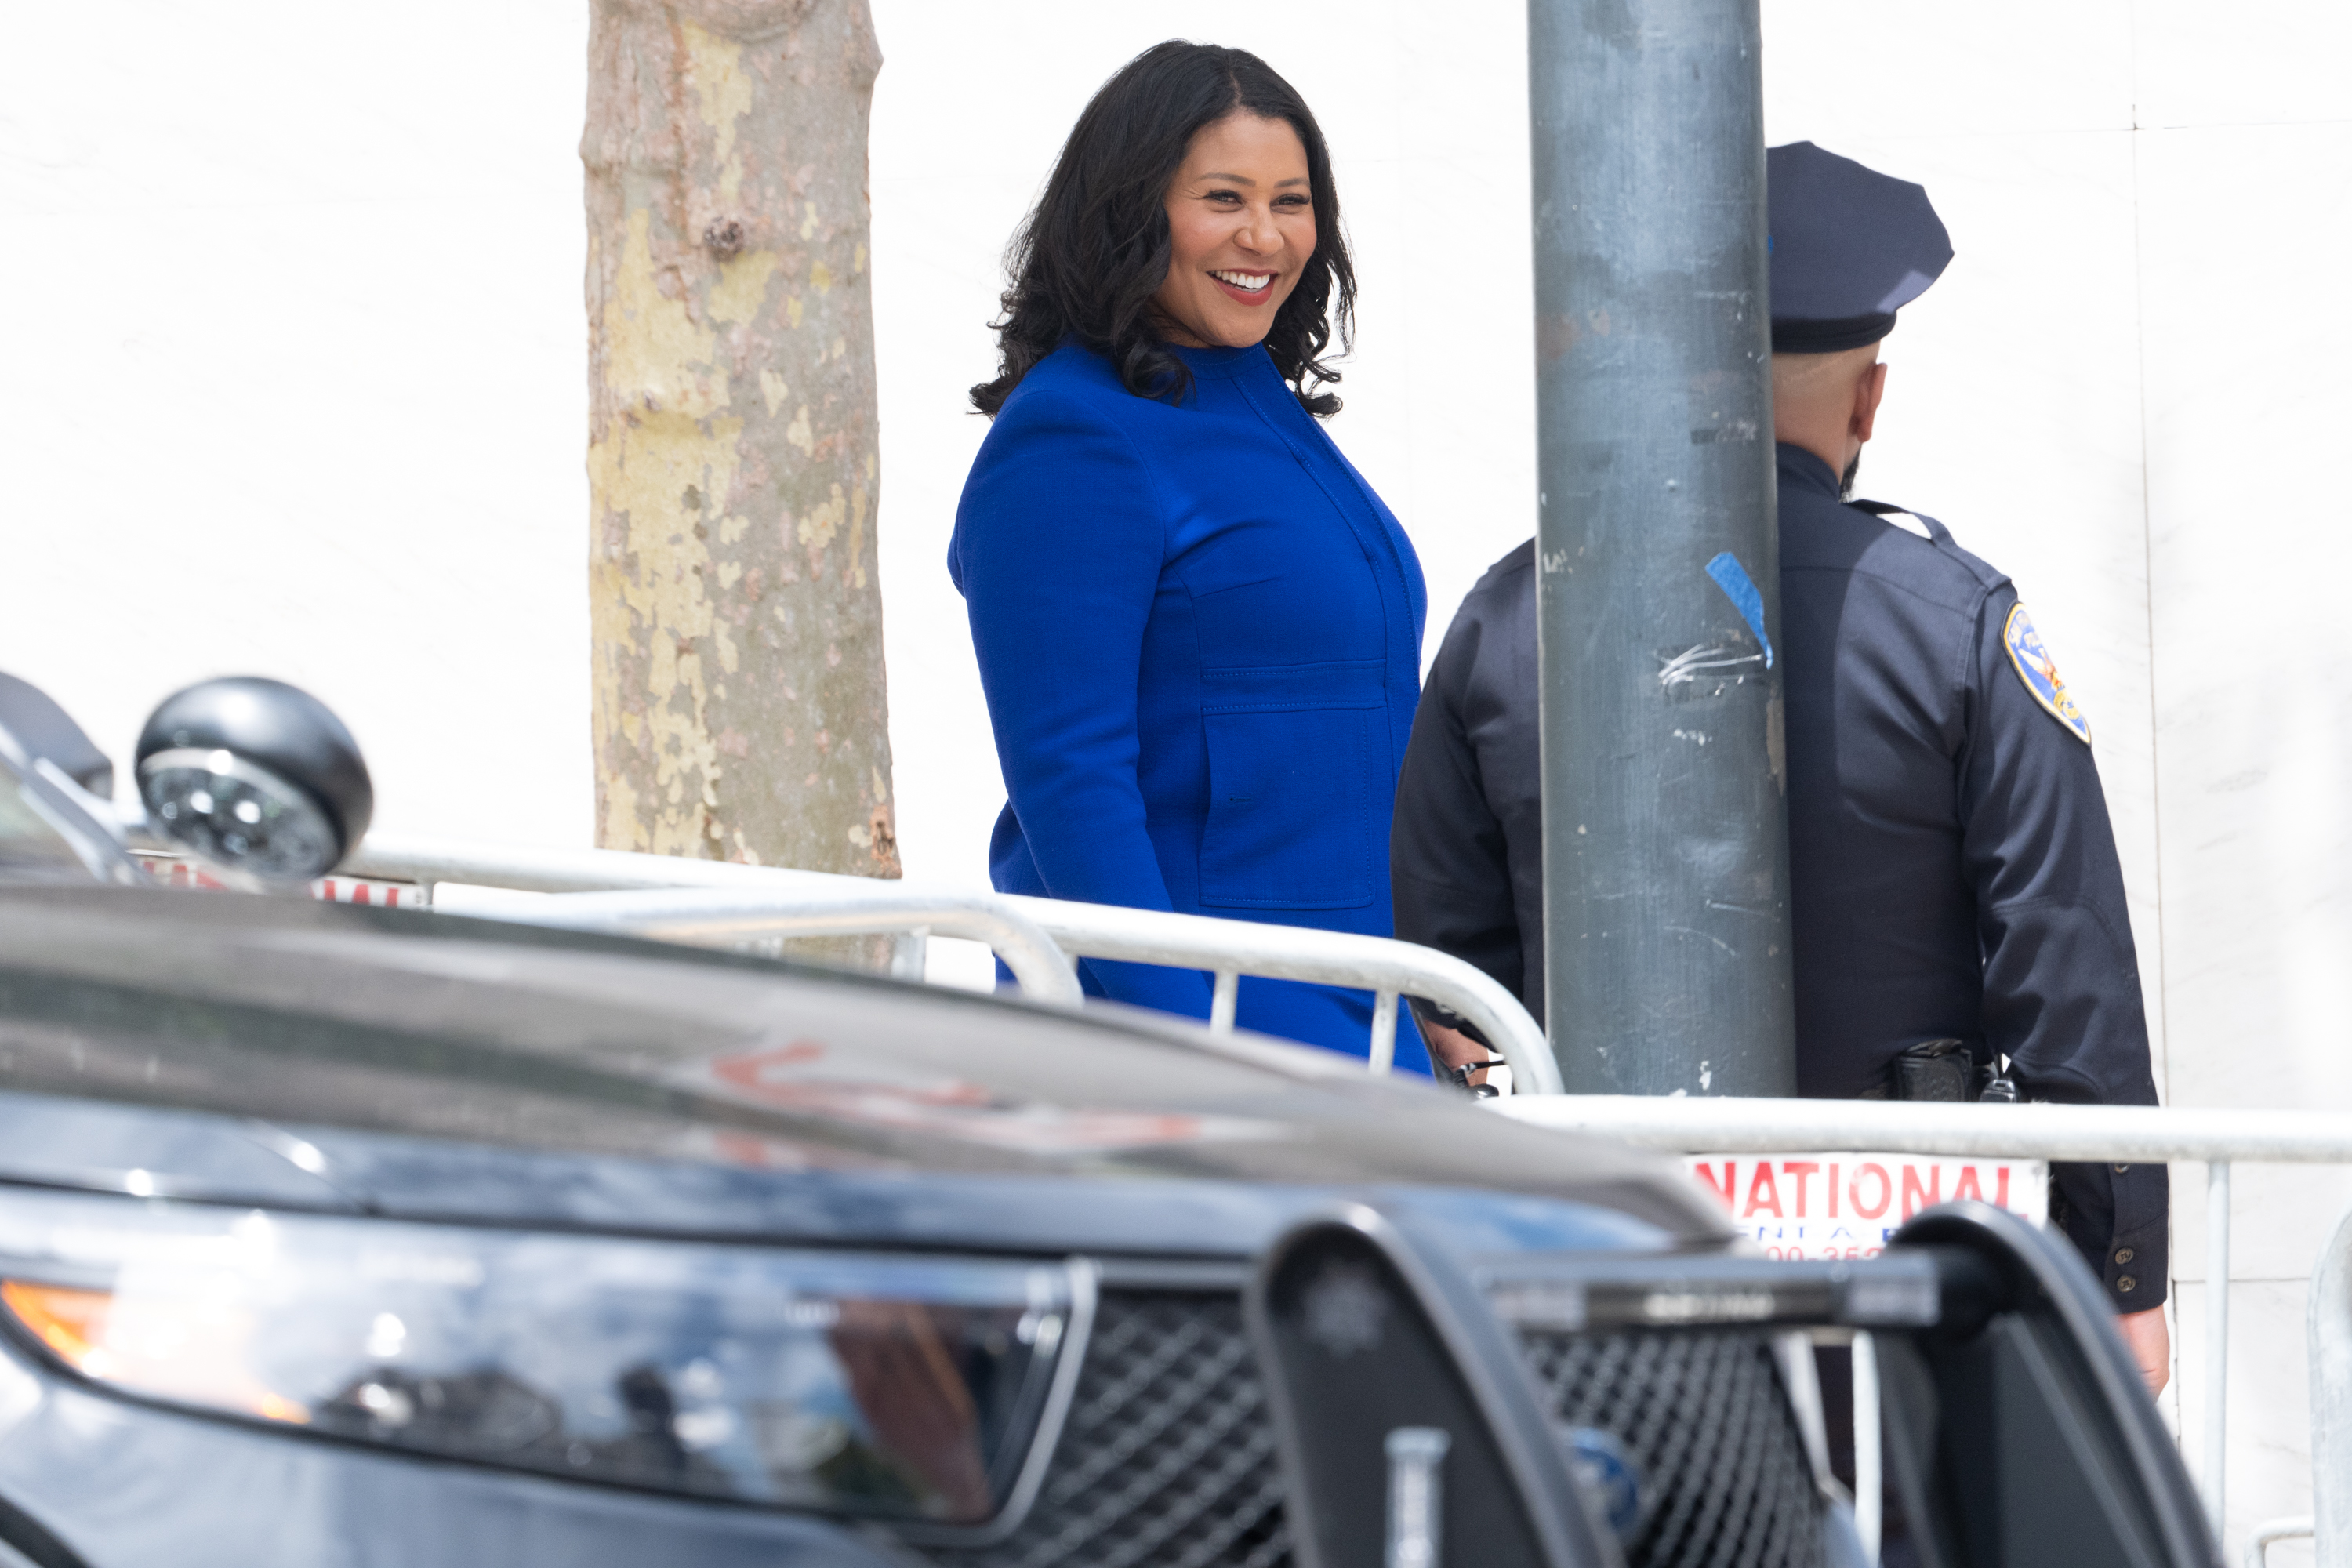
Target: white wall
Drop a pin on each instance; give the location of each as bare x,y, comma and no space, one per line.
293,355
293,379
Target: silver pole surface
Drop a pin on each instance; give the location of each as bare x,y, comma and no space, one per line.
1665,836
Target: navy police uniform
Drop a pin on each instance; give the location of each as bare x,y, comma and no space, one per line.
1952,872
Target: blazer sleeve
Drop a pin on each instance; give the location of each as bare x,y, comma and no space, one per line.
2062,996
1059,546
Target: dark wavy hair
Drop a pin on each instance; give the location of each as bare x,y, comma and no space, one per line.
1088,260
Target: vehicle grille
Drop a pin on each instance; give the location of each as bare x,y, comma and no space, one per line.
1167,1459
1707,1421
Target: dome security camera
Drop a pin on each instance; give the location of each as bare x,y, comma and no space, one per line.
256,776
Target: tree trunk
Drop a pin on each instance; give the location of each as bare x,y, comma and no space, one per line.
739,708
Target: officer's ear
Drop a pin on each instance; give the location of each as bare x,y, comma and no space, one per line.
1867,391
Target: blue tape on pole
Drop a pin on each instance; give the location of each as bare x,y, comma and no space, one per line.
1740,589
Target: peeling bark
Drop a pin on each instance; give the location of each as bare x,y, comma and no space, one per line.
740,709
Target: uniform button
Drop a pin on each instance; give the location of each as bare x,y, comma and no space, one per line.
2122,1255
2126,1285
2121,1169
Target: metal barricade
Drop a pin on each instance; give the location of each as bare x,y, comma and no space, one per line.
2258,1547
2131,1134
712,901
719,901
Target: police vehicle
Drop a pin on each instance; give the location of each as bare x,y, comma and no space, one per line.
332,1235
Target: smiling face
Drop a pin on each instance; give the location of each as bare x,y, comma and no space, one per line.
1240,226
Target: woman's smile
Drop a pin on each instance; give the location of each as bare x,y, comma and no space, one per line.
1250,287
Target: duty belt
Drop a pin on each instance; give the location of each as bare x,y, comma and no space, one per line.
1942,1070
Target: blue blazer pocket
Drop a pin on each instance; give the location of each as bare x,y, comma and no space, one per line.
1294,752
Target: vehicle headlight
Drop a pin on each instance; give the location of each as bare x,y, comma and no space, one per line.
913,1388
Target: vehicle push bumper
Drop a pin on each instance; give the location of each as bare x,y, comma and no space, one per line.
1561,1411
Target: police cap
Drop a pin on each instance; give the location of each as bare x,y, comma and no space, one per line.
1850,247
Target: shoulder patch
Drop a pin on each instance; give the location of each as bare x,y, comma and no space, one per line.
2035,668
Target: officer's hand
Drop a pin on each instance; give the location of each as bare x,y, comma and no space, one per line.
2151,1344
1452,1047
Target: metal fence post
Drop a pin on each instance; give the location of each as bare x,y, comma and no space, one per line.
1225,1000
1384,1022
1869,1464
2217,1339
2330,1322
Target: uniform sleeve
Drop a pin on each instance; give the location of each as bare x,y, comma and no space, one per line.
1059,545
2062,995
1448,873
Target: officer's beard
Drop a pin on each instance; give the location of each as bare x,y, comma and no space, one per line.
1845,480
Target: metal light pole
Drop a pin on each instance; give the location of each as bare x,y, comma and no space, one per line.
1665,835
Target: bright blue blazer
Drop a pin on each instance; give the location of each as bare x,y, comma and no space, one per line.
1199,632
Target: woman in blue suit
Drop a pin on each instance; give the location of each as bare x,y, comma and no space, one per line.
1197,629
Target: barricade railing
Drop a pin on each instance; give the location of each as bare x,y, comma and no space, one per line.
1038,938
2114,1134
719,901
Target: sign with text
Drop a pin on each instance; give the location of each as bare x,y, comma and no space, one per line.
174,871
1849,1205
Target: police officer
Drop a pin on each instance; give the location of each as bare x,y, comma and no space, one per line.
1957,901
